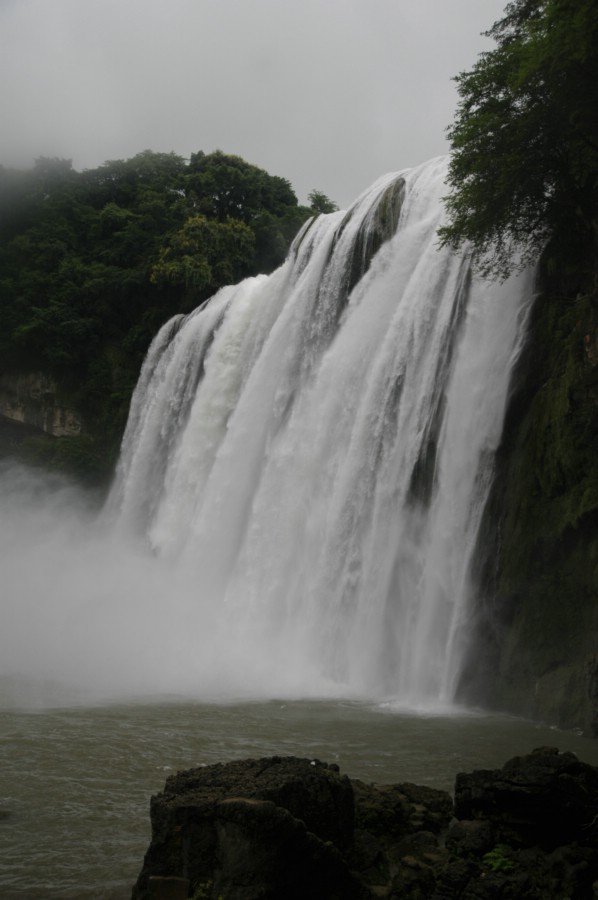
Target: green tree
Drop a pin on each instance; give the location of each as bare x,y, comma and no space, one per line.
204,255
524,162
320,203
93,263
223,186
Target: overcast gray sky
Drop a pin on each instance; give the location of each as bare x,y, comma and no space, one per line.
330,94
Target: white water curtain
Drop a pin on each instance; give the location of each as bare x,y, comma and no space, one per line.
311,452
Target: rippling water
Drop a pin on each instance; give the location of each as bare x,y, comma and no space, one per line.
75,783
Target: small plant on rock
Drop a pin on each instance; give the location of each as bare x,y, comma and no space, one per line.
499,859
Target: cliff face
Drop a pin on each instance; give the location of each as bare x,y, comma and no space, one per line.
535,646
33,399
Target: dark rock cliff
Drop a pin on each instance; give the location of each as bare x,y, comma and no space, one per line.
535,639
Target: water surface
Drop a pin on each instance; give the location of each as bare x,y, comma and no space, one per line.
75,783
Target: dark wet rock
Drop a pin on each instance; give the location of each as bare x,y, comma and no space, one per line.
527,830
254,829
288,829
397,841
546,798
471,838
168,888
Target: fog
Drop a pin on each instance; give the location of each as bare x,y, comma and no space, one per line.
329,95
89,616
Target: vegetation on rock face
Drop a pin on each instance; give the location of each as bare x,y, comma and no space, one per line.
524,161
93,262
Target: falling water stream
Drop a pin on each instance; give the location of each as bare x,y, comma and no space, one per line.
283,562
313,450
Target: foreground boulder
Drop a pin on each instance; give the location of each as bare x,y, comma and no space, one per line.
546,798
284,828
528,830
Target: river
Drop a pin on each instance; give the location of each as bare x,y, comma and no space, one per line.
75,782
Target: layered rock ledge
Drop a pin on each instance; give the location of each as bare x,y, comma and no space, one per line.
285,828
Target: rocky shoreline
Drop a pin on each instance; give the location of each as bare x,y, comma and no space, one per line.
286,828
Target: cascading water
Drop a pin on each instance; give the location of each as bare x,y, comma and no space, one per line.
312,451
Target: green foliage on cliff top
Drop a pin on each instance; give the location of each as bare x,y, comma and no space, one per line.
92,263
524,164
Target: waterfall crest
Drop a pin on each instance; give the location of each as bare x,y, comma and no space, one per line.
313,449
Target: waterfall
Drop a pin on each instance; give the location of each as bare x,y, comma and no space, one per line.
312,450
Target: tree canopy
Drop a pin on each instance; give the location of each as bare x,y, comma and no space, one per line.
320,203
93,262
524,162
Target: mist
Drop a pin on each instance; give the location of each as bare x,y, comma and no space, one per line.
327,95
90,616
